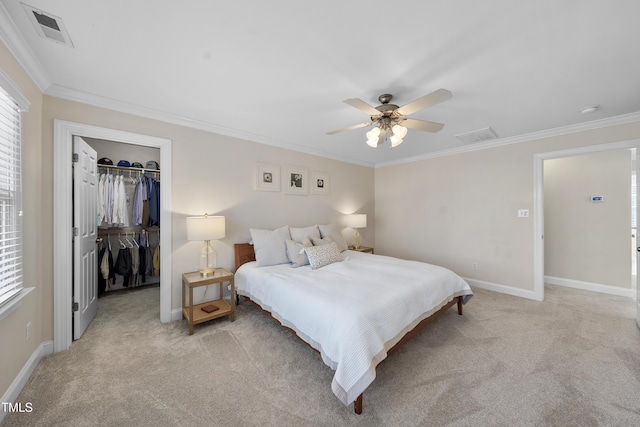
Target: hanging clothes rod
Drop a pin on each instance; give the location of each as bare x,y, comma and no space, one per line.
130,169
115,232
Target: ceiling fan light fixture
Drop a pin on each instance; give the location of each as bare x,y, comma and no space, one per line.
399,131
395,140
372,137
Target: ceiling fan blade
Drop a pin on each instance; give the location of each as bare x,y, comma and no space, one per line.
360,125
433,98
422,125
362,106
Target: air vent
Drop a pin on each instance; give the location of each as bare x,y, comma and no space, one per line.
48,26
479,135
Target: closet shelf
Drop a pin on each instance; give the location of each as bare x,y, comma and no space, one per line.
124,169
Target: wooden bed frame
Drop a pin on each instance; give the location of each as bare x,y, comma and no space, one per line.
244,253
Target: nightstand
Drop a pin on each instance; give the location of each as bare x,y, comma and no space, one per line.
362,249
194,313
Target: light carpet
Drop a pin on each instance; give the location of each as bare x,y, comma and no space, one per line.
572,360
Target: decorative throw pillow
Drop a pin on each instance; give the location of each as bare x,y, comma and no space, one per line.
322,255
318,241
300,233
295,252
269,246
333,231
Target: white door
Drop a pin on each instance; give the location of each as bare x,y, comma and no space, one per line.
85,248
638,248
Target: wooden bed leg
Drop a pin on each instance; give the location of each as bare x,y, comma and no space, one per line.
357,405
460,306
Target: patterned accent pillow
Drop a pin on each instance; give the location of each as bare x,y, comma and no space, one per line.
322,255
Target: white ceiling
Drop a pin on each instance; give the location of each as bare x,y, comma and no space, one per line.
277,72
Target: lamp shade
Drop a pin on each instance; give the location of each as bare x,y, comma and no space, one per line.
205,227
357,220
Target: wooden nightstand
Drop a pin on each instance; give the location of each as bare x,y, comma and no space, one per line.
194,313
362,249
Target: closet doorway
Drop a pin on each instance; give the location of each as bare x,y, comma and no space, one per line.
63,219
128,233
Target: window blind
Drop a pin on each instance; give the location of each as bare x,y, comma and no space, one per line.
11,278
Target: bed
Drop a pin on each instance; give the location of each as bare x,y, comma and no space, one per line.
353,312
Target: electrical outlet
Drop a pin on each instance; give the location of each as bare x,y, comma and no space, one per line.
28,331
474,265
523,213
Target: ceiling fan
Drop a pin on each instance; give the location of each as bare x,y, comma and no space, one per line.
392,119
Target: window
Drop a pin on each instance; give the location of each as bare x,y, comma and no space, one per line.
11,278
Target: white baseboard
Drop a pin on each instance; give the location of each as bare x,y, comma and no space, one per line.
589,286
12,393
522,293
176,314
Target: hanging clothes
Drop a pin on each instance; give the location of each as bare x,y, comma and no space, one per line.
138,198
156,261
154,203
142,255
123,264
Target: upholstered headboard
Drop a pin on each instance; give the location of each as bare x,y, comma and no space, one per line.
244,253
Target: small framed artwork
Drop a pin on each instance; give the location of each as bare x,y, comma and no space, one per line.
319,183
267,177
296,180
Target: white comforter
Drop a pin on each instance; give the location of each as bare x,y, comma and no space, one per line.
352,311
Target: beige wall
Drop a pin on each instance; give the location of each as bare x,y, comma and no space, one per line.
38,263
585,241
462,209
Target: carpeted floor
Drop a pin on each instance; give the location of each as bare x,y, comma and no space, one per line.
572,360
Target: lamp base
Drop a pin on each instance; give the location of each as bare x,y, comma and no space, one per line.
207,272
356,239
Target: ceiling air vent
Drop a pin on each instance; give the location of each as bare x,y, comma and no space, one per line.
479,135
48,26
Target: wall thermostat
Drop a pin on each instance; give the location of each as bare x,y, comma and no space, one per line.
597,199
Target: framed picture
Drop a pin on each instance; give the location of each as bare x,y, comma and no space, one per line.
296,180
267,177
319,183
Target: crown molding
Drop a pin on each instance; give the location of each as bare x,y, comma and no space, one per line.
163,116
563,130
19,48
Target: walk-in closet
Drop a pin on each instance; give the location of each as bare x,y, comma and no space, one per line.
128,216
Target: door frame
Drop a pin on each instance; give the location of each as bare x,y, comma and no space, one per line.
538,201
63,223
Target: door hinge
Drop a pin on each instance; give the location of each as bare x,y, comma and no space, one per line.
75,306
75,231
75,158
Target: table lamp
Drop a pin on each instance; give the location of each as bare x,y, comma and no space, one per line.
206,228
356,221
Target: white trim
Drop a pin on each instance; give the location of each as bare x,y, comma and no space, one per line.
503,289
14,91
564,130
19,48
45,348
62,219
590,286
538,200
137,110
176,314
10,305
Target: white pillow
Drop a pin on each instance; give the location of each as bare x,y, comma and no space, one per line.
318,241
295,252
269,246
334,232
300,233
322,255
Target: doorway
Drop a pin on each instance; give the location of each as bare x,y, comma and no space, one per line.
63,226
539,268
